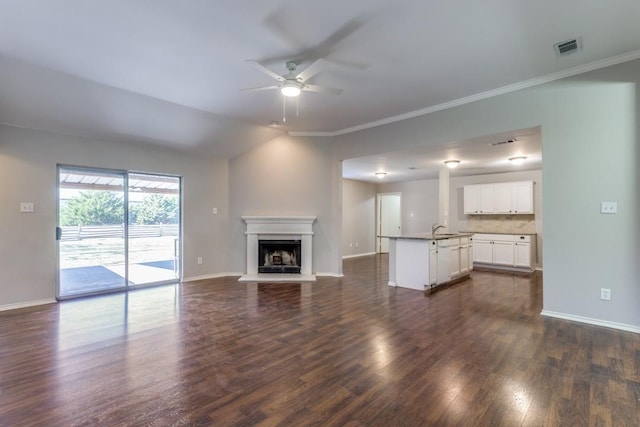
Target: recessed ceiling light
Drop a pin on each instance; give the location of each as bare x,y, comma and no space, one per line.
518,160
380,175
452,164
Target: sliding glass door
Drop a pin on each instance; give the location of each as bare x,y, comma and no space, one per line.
154,228
91,243
116,230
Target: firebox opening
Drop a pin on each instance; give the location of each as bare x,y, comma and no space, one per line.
279,256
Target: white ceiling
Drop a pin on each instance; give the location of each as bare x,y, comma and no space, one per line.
171,73
477,156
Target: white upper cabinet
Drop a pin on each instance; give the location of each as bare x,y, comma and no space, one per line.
522,199
472,199
487,196
501,198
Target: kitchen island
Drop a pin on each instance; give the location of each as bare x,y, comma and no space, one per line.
423,261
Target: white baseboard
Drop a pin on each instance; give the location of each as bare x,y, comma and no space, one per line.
211,276
234,274
276,277
329,274
27,304
538,268
591,321
358,255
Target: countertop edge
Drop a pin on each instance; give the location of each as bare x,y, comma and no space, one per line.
430,237
500,232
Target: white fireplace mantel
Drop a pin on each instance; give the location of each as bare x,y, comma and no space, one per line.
279,227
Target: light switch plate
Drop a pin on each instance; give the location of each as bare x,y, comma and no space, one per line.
608,207
27,207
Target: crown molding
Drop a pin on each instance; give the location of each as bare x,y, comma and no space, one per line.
592,66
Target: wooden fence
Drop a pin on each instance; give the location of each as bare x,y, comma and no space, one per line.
105,231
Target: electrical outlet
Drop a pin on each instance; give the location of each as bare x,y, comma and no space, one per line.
350,244
199,260
605,294
215,211
27,207
608,207
356,244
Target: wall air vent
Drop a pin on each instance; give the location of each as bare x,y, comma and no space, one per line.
508,141
568,47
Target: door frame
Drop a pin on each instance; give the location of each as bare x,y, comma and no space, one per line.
125,175
379,197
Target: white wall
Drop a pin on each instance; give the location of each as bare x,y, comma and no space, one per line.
589,127
289,176
359,217
419,203
28,161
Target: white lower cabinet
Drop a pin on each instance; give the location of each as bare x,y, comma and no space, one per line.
503,253
433,262
482,250
507,250
455,257
464,255
524,251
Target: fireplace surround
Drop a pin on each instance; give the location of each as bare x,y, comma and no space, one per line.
278,230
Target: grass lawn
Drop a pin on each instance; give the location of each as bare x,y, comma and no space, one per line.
110,251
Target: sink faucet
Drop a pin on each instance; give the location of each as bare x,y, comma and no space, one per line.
435,227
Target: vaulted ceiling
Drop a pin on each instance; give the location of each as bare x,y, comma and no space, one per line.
171,73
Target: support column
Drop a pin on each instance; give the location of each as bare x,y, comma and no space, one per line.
443,198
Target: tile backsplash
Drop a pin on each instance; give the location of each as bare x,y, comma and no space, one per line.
512,224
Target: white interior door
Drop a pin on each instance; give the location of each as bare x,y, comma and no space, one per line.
388,219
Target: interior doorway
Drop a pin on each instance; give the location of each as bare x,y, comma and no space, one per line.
389,219
116,230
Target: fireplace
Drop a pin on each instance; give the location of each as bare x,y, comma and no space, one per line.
279,248
279,256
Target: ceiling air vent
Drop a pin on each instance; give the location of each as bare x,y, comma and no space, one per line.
568,47
508,141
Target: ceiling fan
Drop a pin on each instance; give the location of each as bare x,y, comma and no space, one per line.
293,83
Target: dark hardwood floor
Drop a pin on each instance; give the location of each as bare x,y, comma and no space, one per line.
343,352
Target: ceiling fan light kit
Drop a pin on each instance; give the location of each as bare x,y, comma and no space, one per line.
291,89
380,175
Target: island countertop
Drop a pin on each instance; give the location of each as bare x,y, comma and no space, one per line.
500,232
429,236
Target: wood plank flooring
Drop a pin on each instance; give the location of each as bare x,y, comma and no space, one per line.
338,352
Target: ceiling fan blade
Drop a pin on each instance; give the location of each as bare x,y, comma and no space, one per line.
277,24
322,89
313,69
257,89
348,64
265,70
340,35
